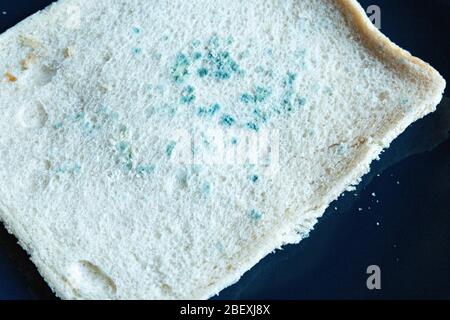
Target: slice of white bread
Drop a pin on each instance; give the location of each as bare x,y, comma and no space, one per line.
113,177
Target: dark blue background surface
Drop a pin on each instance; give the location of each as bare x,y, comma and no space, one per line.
405,228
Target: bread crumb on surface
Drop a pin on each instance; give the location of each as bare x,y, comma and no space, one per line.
10,77
26,63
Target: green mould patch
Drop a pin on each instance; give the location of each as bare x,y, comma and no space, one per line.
255,215
209,111
202,72
206,188
144,169
195,43
196,55
136,30
288,94
67,169
221,65
226,120
252,126
170,147
300,55
211,60
260,115
125,156
218,62
254,178
259,95
188,95
180,69
137,51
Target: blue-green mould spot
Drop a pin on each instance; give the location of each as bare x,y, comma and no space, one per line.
179,70
88,127
254,178
202,111
269,51
187,95
122,146
247,98
70,169
137,51
328,91
404,101
229,40
202,72
264,72
76,117
197,55
58,125
214,108
259,95
136,30
170,147
259,69
259,115
288,83
125,155
213,42
227,120
206,188
252,126
301,101
301,55
195,43
290,79
223,65
211,111
255,215
220,247
234,141
144,169
244,54
157,56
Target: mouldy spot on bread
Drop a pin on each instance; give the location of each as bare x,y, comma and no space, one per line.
260,94
252,126
255,215
210,111
170,147
227,120
187,95
179,70
144,169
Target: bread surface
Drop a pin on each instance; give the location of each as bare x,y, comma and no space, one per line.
160,149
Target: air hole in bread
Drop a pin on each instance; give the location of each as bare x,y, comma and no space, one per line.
32,116
89,280
41,75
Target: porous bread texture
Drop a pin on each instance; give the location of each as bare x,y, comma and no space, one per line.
101,90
